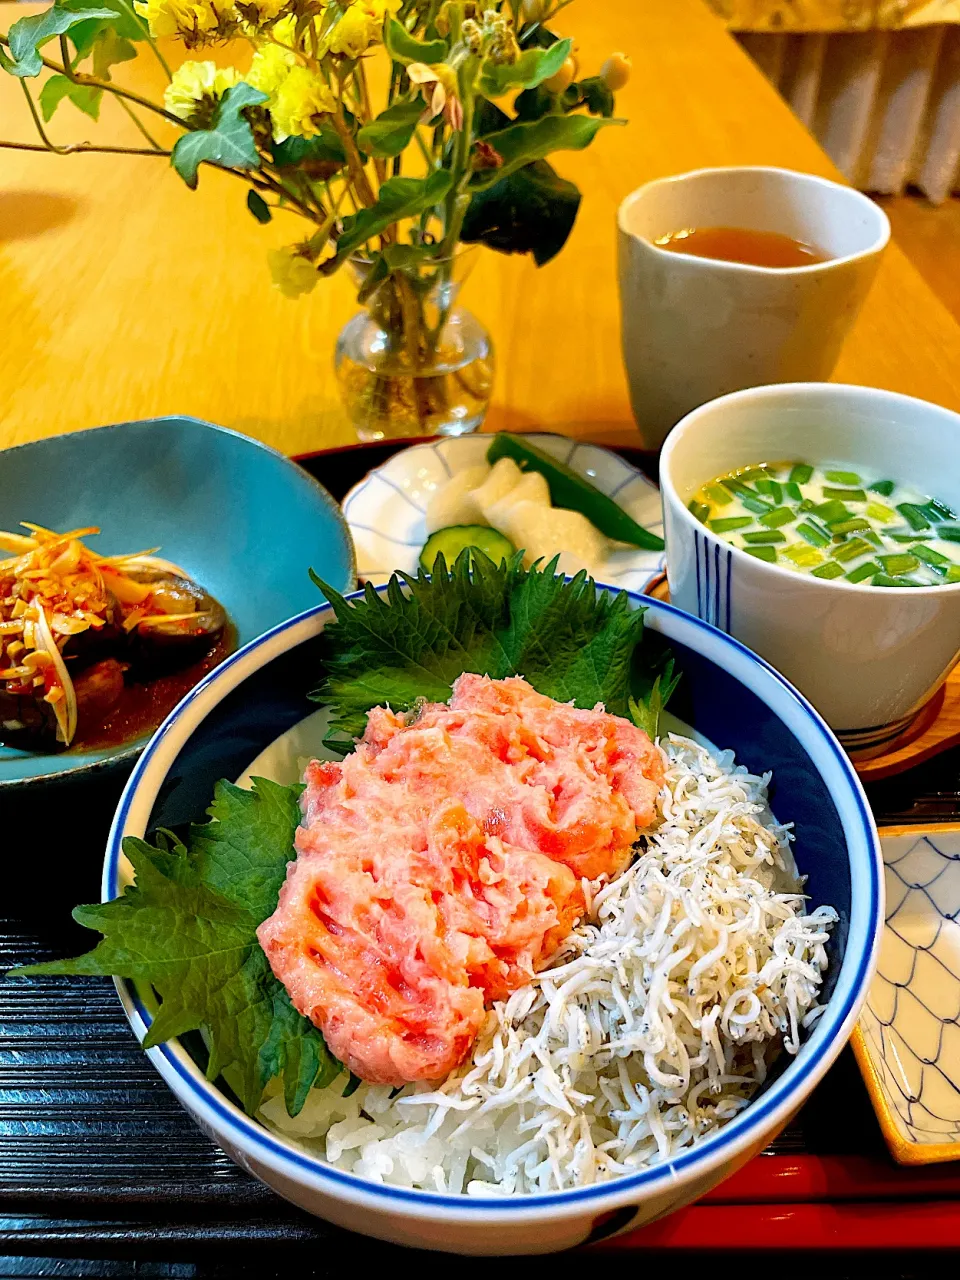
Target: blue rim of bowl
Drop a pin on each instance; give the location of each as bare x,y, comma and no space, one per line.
127,753
828,1037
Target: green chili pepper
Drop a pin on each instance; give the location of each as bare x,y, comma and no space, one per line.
567,489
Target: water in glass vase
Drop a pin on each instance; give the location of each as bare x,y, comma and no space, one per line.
413,363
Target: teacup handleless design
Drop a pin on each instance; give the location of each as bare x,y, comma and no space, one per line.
867,657
696,328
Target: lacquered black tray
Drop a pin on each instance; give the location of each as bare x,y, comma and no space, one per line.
97,1159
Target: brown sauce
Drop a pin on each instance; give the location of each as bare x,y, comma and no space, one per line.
740,244
144,705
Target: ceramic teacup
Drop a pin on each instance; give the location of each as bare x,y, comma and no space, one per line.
696,328
868,658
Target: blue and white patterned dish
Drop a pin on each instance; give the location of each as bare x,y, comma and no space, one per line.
385,511
908,1039
223,727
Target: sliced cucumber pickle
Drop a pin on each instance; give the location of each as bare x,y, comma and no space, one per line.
461,537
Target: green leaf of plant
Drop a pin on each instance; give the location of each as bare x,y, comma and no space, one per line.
83,96
258,206
108,50
488,118
529,70
124,21
392,130
187,926
405,48
645,711
28,34
530,211
524,142
324,148
399,198
494,619
597,96
228,144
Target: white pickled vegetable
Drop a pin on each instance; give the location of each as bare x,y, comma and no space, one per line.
454,502
542,532
504,476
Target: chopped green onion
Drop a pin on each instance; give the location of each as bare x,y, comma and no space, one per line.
862,571
699,510
753,473
848,526
765,535
779,516
754,503
728,523
942,510
770,489
949,532
899,564
832,510
877,511
931,511
807,504
884,580
851,549
792,491
913,515
850,495
883,487
873,537
843,477
763,553
929,556
899,536
803,557
723,497
828,570
801,473
810,533
953,574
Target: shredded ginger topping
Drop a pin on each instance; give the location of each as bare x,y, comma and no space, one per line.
654,1024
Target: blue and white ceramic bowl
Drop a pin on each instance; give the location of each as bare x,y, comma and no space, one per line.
386,510
730,696
242,520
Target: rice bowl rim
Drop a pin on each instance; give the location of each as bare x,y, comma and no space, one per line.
225,1121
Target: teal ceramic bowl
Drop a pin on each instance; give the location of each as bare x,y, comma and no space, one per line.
240,518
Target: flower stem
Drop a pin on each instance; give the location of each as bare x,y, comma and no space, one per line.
140,125
75,147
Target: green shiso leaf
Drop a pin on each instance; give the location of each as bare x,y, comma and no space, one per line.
493,619
188,928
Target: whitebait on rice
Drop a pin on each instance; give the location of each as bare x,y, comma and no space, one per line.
654,1024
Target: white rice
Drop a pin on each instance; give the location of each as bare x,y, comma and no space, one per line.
651,1028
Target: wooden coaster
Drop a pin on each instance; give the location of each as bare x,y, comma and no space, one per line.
936,728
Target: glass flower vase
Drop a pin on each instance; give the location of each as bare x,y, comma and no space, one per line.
414,363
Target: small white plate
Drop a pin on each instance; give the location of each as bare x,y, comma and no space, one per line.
385,511
908,1039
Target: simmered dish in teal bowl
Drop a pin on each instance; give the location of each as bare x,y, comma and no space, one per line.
184,542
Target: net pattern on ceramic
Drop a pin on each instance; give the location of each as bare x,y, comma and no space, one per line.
911,1022
386,510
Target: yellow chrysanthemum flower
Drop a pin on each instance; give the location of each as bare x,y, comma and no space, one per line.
184,17
298,101
293,273
269,68
195,85
361,26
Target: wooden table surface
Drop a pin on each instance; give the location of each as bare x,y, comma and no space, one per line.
124,295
